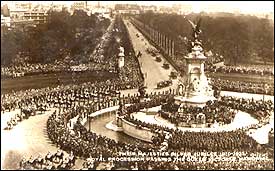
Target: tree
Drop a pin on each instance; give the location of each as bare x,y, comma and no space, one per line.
237,38
9,48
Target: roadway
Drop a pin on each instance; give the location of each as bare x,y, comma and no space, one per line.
153,70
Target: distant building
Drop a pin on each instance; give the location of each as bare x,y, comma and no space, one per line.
39,17
145,9
21,5
17,13
164,9
182,9
23,25
127,9
103,12
79,5
58,8
5,21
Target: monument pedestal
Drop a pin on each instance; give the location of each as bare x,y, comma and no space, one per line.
198,101
194,88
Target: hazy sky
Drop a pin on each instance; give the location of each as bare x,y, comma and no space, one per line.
197,6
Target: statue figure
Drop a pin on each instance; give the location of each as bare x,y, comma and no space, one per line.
195,34
180,89
196,29
142,91
191,86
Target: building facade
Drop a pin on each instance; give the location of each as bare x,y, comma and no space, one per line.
39,17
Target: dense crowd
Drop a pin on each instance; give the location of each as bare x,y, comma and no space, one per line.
131,71
257,108
61,94
83,143
241,70
32,69
90,145
222,110
37,69
218,141
212,59
245,87
253,107
213,112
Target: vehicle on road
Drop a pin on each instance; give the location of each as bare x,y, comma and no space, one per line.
152,51
173,75
163,84
165,65
158,59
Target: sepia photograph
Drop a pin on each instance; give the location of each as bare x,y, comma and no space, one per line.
137,85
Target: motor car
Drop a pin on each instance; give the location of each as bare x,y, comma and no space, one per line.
173,75
165,66
163,84
158,59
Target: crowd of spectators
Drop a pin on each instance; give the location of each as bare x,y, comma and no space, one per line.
257,108
244,87
131,71
60,94
241,140
241,70
213,112
105,52
82,142
33,69
221,110
218,141
90,145
212,59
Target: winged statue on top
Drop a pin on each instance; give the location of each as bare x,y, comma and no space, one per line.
196,28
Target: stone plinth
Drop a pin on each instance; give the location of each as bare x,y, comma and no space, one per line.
194,88
199,101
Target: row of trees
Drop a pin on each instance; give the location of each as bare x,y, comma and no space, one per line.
64,36
240,39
